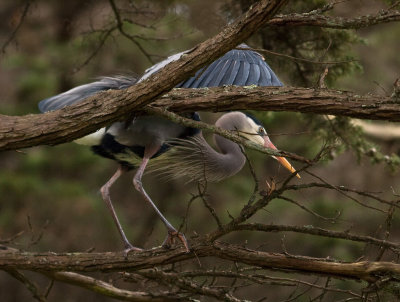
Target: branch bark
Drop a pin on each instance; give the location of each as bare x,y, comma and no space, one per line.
320,20
98,111
23,132
111,262
305,100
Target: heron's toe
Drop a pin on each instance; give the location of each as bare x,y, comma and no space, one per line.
130,248
172,236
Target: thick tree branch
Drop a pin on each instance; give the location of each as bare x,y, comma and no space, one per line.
305,100
22,132
84,118
111,262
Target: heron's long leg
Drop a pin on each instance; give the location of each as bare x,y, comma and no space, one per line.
137,181
105,192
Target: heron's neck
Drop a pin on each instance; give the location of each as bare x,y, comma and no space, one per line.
229,161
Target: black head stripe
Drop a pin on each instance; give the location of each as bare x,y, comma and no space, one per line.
255,120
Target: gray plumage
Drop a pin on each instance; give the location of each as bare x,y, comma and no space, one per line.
236,67
196,160
78,94
166,147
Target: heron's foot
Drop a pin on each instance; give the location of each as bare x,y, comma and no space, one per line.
130,248
172,236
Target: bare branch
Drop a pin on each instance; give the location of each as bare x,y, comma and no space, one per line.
305,100
319,20
12,239
20,22
312,230
253,174
109,262
120,26
331,219
107,289
261,50
32,287
202,195
338,189
103,38
344,189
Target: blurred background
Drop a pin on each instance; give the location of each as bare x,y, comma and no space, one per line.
49,196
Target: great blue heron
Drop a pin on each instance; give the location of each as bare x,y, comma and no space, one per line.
174,148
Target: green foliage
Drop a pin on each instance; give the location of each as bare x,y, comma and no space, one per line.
341,134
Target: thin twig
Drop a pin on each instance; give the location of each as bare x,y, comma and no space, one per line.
202,194
316,231
347,195
121,29
12,238
331,219
32,287
108,289
388,225
261,50
253,174
14,32
101,43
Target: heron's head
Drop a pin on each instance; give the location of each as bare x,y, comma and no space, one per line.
253,130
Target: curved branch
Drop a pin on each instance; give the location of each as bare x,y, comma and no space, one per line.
110,106
107,289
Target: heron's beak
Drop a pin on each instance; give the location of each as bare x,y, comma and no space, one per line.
284,162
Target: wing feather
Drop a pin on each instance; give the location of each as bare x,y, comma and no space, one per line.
77,94
236,67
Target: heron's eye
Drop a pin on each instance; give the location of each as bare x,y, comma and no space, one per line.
261,131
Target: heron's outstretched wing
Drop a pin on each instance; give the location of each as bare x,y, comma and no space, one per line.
237,67
79,93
